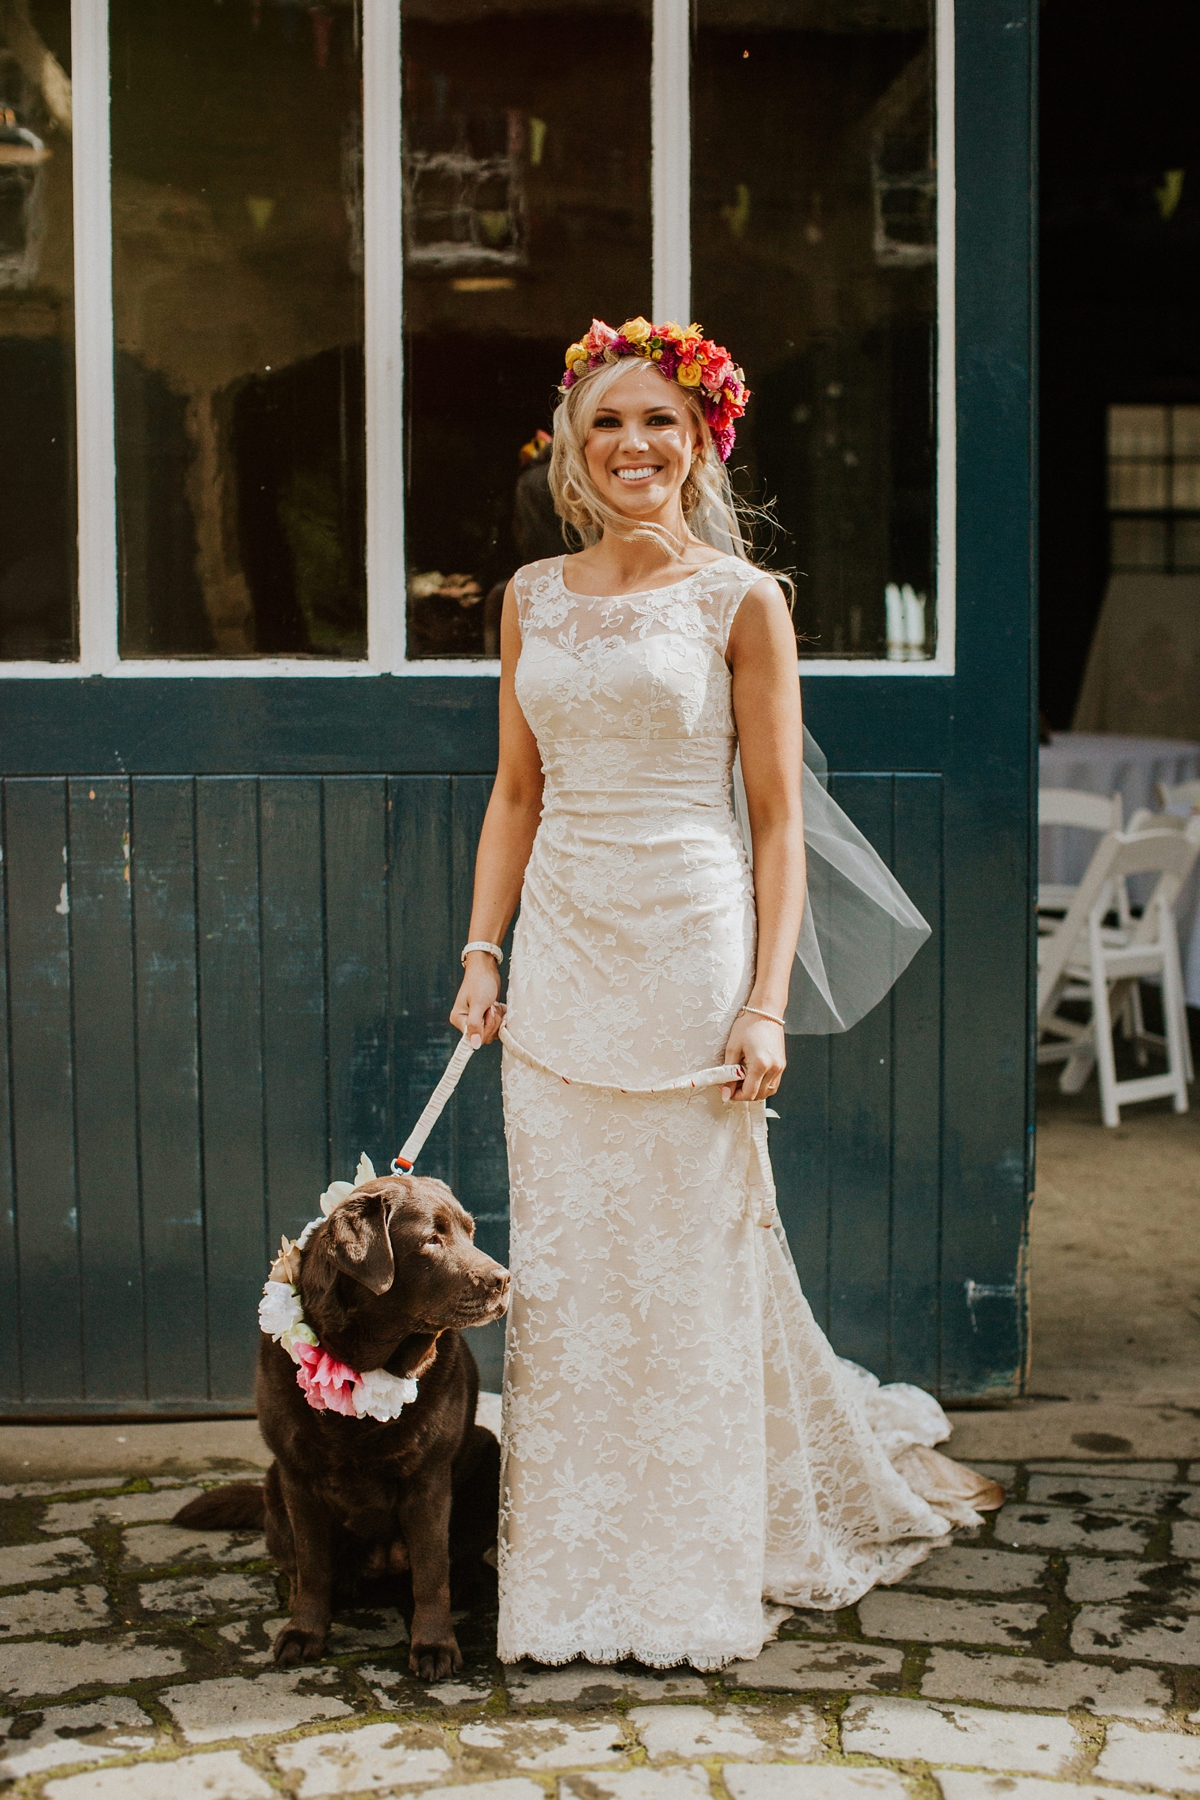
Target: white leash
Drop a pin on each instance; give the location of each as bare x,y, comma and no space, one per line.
413,1144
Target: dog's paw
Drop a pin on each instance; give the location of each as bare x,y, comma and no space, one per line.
434,1662
293,1644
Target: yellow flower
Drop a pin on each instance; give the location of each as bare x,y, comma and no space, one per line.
689,374
574,353
637,330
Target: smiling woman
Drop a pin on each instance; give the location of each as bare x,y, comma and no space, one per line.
672,1410
640,444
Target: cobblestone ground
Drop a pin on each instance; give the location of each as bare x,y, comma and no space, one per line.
1057,1649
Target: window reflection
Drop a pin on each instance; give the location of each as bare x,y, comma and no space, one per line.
527,209
37,334
237,245
1154,489
813,258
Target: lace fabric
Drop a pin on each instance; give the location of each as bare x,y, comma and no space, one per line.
683,1453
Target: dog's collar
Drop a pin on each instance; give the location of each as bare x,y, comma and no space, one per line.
327,1384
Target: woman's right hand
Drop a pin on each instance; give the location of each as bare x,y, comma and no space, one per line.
478,1012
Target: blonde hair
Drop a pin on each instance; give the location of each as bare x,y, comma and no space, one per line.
709,507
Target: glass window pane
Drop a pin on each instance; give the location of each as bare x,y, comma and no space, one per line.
813,260
37,335
1137,431
1139,544
1186,559
527,209
237,245
1185,486
1185,430
1137,486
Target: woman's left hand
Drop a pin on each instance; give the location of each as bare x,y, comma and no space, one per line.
757,1046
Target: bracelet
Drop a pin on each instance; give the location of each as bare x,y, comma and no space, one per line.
480,944
774,1017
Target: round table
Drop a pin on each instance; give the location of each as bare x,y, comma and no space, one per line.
1103,762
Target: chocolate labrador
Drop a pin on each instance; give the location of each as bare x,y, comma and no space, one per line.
386,1283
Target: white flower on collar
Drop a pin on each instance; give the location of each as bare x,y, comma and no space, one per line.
378,1395
281,1316
338,1191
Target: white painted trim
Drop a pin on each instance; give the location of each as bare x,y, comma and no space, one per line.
833,665
448,665
249,668
946,516
207,668
245,668
383,283
671,160
94,403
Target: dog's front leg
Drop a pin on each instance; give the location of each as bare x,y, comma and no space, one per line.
425,1526
302,1639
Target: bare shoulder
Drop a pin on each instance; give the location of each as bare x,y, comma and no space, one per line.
765,597
763,622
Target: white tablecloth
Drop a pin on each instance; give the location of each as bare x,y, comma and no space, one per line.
1101,762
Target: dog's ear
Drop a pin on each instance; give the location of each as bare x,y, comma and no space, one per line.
359,1244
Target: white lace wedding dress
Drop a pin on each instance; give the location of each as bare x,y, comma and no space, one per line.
680,1442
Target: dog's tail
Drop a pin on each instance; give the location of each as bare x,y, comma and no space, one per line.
242,1506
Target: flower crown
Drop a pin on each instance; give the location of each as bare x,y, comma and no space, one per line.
687,357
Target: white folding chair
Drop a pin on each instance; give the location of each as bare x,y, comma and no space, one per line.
1145,820
1084,958
1086,812
1132,1021
1180,797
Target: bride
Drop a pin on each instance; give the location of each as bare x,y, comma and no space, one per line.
683,1454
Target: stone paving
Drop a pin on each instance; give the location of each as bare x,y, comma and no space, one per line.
1055,1655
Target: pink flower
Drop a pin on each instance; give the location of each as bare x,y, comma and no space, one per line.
723,439
718,370
599,337
327,1385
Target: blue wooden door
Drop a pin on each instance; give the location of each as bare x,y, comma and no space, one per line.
232,910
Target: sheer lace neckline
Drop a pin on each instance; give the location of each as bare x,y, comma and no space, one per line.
638,593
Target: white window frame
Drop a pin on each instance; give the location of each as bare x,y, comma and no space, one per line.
383,352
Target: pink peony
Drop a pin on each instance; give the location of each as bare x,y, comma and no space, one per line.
327,1385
